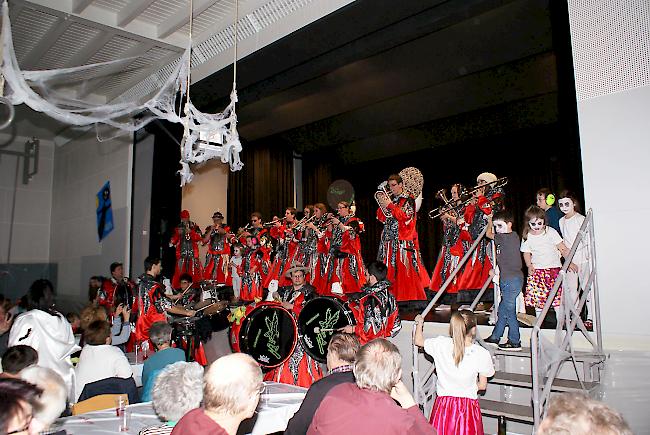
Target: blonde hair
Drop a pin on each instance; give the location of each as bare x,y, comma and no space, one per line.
230,383
460,326
378,366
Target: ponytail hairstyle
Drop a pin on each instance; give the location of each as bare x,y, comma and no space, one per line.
460,326
532,212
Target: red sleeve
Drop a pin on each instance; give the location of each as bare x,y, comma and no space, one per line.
398,212
380,215
420,424
484,205
175,238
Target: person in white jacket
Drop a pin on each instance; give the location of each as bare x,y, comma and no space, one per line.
99,359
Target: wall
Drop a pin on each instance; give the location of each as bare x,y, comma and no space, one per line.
612,69
81,167
24,252
207,193
141,215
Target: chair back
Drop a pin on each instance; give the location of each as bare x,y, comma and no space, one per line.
97,403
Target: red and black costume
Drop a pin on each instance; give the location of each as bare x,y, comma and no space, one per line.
254,266
344,265
285,253
186,238
112,290
218,255
153,306
399,250
375,311
300,369
448,259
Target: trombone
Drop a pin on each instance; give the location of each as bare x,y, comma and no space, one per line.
447,207
465,198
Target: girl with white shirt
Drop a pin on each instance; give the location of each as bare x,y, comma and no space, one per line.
570,225
542,247
463,369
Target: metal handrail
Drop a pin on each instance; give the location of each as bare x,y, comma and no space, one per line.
417,384
542,387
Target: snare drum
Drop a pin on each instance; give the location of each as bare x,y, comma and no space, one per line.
318,321
269,334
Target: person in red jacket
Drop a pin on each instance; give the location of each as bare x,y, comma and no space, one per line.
398,248
216,260
186,238
374,308
116,287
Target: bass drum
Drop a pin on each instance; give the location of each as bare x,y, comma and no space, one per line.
269,334
318,321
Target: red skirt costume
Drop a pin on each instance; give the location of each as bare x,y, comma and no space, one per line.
218,255
456,415
254,266
448,259
477,268
285,254
186,239
400,252
153,304
343,264
300,369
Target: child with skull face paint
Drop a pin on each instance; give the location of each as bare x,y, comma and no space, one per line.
570,225
542,247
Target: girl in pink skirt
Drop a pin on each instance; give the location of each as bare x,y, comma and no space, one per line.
542,247
463,369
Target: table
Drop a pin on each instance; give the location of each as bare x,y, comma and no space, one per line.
277,405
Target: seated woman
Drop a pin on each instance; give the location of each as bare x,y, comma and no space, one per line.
160,335
99,359
177,390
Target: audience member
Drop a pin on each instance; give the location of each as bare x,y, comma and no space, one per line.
6,320
120,332
99,360
121,327
75,321
341,355
369,405
47,331
18,399
53,401
177,390
17,358
160,335
577,414
231,390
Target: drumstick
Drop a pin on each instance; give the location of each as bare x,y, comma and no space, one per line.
318,330
182,294
207,306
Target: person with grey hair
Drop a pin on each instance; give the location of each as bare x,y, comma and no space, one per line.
160,335
52,401
231,391
178,389
369,405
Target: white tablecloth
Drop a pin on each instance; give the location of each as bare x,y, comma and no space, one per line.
136,366
277,405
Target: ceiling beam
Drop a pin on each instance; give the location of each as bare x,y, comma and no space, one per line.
98,42
78,6
35,54
131,11
179,20
152,70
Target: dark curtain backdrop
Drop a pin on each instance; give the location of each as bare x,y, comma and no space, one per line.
265,184
531,159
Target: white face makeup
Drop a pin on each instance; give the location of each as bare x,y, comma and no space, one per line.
566,205
500,227
536,224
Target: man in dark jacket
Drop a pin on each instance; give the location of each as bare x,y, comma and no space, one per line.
341,354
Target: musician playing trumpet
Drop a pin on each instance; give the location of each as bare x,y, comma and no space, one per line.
185,239
398,248
216,260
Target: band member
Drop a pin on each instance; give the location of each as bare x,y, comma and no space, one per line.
374,308
451,251
300,369
117,287
399,249
475,218
308,211
216,259
288,237
344,270
255,265
310,255
186,237
153,304
187,294
236,269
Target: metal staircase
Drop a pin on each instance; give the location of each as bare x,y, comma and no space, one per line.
518,394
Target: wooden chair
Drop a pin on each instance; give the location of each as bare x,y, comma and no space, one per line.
97,403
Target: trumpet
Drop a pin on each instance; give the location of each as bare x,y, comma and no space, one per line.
381,191
273,222
243,230
446,208
302,223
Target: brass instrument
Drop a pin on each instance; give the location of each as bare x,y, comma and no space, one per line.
303,223
496,184
273,222
465,198
382,189
243,230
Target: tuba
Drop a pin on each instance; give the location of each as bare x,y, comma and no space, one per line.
382,190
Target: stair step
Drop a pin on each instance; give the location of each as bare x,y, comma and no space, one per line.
526,381
510,411
525,353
